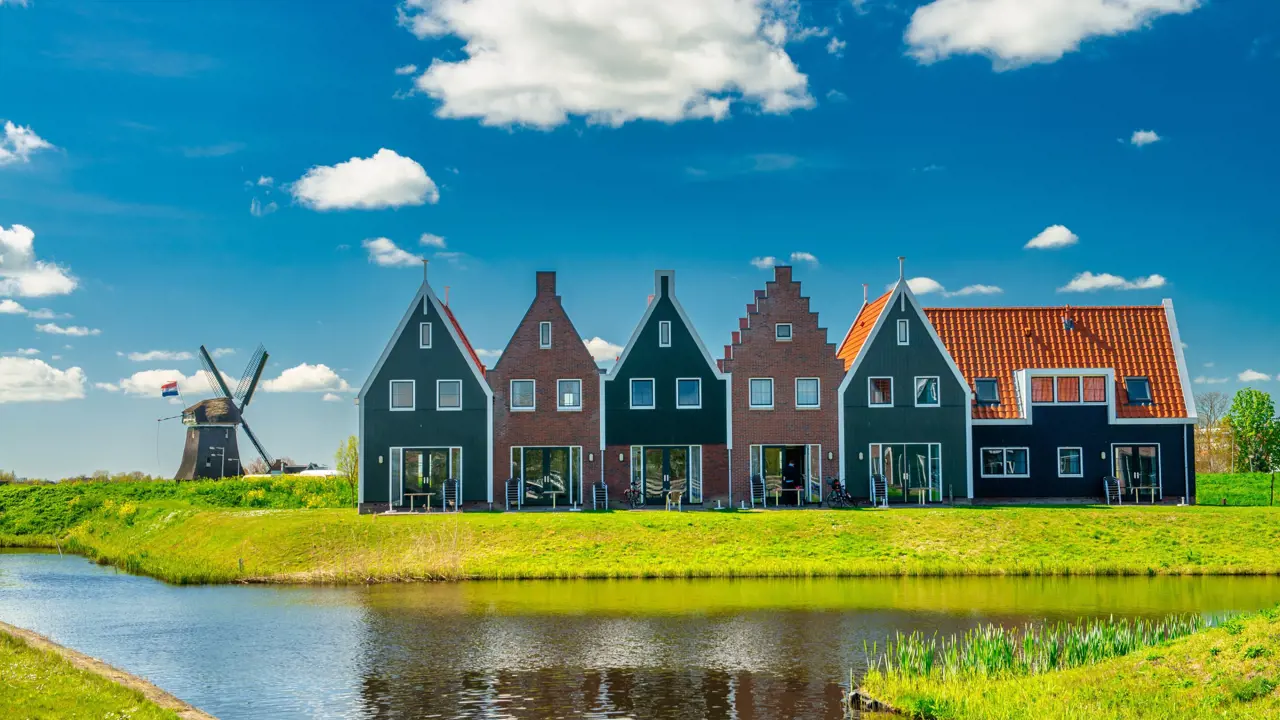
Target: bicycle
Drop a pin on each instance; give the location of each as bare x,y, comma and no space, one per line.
633,497
838,497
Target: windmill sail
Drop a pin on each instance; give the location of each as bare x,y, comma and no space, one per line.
216,383
252,374
262,452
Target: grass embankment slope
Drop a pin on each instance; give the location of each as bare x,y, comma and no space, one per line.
1228,672
238,531
39,679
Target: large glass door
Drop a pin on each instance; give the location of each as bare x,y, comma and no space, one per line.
550,475
1137,465
908,470
655,476
422,471
672,468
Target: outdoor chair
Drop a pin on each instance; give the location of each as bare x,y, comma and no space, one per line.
879,491
758,491
1113,488
515,494
600,496
449,497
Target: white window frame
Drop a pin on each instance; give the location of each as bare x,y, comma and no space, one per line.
904,331
559,396
544,326
1078,450
511,395
790,332
982,465
448,409
427,344
1031,389
1079,390
986,403
391,396
797,394
750,401
664,327
689,407
1151,397
937,381
653,394
871,392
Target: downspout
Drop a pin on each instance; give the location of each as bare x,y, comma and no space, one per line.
1186,468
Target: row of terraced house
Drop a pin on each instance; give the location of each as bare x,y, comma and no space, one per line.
914,404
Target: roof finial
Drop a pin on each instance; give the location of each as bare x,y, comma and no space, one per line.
424,271
902,267
865,297
446,296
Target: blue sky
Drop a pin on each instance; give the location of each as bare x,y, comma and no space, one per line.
603,140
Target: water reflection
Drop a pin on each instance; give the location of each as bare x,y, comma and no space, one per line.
604,649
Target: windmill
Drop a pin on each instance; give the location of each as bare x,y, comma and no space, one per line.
211,449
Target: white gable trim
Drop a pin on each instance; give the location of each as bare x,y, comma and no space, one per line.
1188,397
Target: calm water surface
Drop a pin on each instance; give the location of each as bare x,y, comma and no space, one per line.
603,649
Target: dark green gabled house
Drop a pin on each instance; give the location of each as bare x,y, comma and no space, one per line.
426,414
904,406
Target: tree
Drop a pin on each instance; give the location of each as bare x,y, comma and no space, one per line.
1252,419
257,467
1212,452
347,460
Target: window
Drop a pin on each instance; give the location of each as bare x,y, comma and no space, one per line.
880,392
424,336
988,390
448,394
1139,390
523,395
807,393
927,392
1005,462
402,394
688,393
904,332
782,332
1069,460
642,394
762,393
544,335
1095,389
1068,389
568,394
664,333
1041,389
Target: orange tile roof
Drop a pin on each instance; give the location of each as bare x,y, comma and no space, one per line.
465,342
860,330
1134,341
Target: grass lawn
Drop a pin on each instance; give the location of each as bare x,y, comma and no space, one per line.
1228,672
1235,489
40,683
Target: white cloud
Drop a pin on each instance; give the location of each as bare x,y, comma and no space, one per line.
836,96
430,240
764,263
21,274
407,69
266,181
1209,364
307,378
27,351
18,143
1014,33
219,352
927,286
20,3
73,330
31,380
385,180
331,397
488,356
147,382
836,47
1253,376
387,254
924,286
1052,238
109,387
47,314
602,350
1143,137
257,209
975,290
154,355
611,61
1089,282
11,307
1202,380
804,257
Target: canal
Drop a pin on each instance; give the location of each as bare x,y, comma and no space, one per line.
545,649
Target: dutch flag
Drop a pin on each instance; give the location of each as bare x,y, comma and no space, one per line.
169,389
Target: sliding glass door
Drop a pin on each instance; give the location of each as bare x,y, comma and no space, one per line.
549,475
423,471
664,470
908,470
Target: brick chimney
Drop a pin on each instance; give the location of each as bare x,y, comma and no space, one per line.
546,282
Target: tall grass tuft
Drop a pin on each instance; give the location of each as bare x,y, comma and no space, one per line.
996,651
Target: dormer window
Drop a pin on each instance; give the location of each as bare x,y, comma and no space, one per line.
664,333
987,390
782,332
1139,390
544,335
904,332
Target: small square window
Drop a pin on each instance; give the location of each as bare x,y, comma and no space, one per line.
448,394
544,335
988,391
1069,460
523,395
807,393
642,394
569,394
880,392
424,335
1068,389
927,392
688,393
1041,389
782,332
904,332
402,395
664,333
1139,390
762,392
1095,389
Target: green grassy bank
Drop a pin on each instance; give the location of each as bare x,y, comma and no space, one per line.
1231,671
1234,489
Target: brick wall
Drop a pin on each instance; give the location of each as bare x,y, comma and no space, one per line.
755,353
524,359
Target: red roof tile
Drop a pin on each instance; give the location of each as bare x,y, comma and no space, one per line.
465,342
861,329
1134,341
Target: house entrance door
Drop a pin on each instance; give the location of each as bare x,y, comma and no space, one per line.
1138,466
672,468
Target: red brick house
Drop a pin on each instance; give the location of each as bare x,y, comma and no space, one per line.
546,407
785,378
